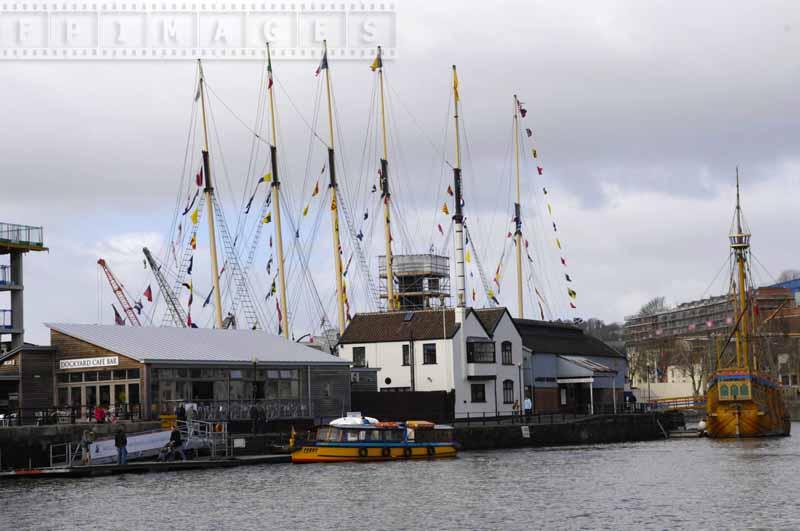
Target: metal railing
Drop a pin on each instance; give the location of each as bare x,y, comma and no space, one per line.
215,410
548,417
21,234
215,434
67,415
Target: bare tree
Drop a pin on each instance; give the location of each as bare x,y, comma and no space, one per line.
655,305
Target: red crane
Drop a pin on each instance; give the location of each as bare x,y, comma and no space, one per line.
116,287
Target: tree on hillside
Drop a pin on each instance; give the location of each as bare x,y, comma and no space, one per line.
789,274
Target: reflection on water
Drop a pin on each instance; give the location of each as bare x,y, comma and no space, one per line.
676,484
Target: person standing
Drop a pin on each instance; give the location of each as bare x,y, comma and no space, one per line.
86,447
99,414
121,442
528,405
176,442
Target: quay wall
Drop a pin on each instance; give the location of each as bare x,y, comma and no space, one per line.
24,445
598,429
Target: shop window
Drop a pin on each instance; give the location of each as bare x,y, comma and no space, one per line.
284,384
429,354
90,376
359,357
133,394
133,374
104,375
120,396
480,352
202,390
75,396
119,374
506,350
91,395
75,377
182,373
508,391
478,392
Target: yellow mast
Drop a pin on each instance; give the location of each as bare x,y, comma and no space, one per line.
208,191
390,300
740,243
518,213
337,258
458,216
276,188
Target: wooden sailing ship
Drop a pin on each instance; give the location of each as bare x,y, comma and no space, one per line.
743,401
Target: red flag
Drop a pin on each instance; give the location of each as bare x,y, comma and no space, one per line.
148,294
539,169
189,321
755,309
508,235
117,317
199,177
572,305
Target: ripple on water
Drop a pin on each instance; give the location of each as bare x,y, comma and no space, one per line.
678,484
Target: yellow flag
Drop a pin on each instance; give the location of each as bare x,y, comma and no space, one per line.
333,201
468,257
558,242
534,153
267,177
445,210
549,209
571,293
490,293
455,85
315,191
377,63
195,216
267,218
305,210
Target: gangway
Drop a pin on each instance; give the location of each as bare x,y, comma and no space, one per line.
678,404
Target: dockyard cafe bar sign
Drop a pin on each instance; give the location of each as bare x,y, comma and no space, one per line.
89,363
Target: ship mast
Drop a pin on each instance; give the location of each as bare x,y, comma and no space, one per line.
208,191
337,245
276,193
518,214
458,216
740,243
390,305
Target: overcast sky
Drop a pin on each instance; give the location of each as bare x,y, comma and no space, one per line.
640,112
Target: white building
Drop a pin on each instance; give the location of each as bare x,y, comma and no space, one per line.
475,353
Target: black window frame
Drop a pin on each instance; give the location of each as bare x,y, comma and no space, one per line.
507,355
472,390
480,356
362,352
427,353
406,360
508,391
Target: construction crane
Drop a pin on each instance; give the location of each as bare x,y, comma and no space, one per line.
175,309
118,290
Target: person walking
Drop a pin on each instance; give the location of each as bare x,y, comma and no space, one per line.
121,442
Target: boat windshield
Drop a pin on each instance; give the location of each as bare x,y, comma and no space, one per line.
334,434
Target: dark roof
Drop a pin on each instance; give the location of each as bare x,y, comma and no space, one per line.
490,317
25,346
393,326
561,338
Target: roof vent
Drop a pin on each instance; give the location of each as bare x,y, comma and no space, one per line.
408,316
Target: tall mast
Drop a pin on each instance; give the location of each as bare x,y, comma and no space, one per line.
517,213
740,243
458,217
276,197
337,245
386,195
208,191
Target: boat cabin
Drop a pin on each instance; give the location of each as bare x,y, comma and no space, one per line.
385,432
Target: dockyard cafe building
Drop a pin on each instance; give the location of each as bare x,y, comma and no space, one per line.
219,374
489,361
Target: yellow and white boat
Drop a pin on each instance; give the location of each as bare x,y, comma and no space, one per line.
365,439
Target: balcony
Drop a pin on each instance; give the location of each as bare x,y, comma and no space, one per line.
21,237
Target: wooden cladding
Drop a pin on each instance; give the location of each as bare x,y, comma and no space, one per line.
70,348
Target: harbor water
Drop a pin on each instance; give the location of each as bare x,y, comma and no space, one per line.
673,484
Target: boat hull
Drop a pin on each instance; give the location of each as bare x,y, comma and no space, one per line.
743,405
335,454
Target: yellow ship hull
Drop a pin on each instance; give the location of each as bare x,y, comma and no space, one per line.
333,454
741,404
